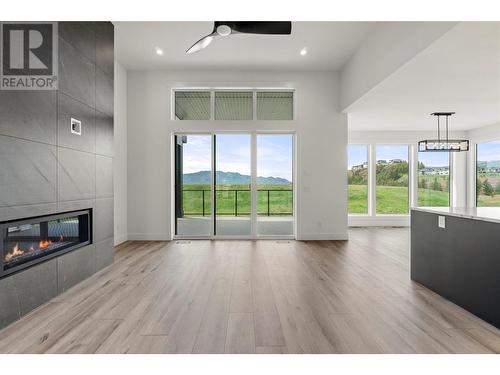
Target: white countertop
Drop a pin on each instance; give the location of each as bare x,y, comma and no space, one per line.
491,214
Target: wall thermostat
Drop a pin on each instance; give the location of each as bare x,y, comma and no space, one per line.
76,126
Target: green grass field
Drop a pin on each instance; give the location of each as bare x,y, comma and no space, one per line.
484,200
280,200
392,199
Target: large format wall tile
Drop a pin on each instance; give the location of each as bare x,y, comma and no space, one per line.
27,172
36,285
30,210
69,108
76,74
104,134
29,115
75,266
76,171
104,47
75,205
105,253
9,306
104,99
104,177
103,219
44,169
80,35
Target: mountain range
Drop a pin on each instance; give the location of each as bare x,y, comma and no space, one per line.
203,177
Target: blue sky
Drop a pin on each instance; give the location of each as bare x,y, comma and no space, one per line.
434,159
274,154
357,154
488,151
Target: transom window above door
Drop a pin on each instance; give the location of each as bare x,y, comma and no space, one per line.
234,104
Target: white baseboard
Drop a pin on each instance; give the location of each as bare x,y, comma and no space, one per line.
149,237
379,221
322,236
120,239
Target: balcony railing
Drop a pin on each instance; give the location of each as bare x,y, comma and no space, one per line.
236,202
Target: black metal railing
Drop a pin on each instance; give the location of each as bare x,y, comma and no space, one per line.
206,211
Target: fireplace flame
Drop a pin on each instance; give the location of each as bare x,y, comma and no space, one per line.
16,251
43,244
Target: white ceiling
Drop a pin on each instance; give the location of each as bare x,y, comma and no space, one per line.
459,72
329,45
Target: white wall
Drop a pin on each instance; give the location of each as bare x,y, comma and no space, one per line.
321,138
387,48
120,155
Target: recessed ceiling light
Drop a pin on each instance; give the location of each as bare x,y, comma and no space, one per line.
303,51
159,51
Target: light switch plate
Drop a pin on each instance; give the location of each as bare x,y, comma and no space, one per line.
442,222
76,126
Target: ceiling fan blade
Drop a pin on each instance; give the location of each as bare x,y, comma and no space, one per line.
258,27
202,43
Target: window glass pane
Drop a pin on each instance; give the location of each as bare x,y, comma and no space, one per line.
392,179
488,174
233,105
233,198
275,184
193,184
433,179
192,105
357,177
274,105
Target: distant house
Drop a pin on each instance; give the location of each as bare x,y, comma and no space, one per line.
360,166
434,171
381,161
493,170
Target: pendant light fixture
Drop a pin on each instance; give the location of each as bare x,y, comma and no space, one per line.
446,144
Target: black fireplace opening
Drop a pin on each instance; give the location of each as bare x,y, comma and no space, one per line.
26,242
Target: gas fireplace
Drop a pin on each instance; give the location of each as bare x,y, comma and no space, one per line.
26,242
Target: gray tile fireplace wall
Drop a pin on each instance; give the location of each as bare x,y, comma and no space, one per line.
45,169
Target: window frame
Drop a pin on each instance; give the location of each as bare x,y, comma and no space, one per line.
474,160
369,185
254,91
410,161
450,179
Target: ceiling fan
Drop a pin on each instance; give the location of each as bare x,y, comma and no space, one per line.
226,28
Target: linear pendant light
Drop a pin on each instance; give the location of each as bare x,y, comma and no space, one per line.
443,145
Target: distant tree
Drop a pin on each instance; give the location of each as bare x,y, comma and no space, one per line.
421,165
479,186
497,188
488,189
421,183
436,185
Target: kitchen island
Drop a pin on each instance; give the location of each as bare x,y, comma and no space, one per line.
455,251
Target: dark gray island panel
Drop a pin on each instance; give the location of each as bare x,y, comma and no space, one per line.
461,262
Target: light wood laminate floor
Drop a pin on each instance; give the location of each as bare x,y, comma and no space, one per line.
254,297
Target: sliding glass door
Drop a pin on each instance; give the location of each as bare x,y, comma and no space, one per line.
193,185
234,185
274,184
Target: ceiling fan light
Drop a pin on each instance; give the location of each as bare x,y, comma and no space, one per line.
223,30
